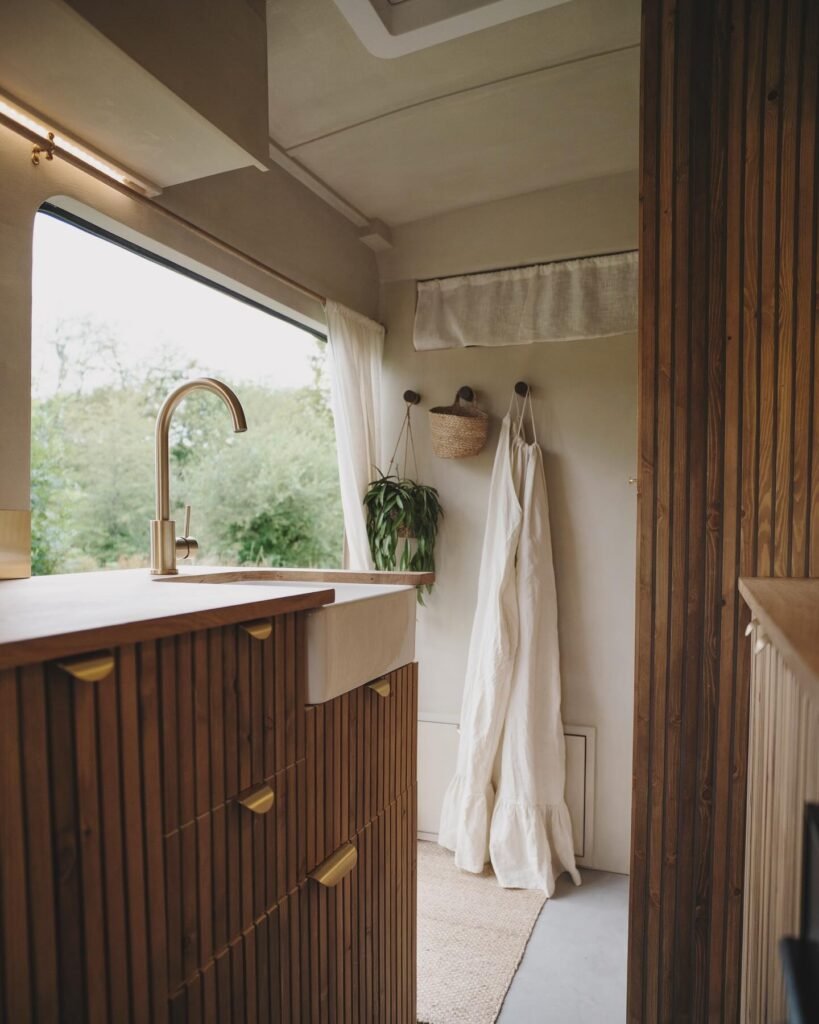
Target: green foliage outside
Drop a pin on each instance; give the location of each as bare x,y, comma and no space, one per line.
267,497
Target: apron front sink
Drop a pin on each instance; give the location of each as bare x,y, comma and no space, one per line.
367,632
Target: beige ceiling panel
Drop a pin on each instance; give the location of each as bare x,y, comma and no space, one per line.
322,79
566,124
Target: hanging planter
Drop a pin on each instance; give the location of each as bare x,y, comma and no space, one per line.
402,516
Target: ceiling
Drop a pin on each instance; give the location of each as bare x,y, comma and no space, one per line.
540,101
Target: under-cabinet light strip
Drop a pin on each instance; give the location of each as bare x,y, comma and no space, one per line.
14,117
56,142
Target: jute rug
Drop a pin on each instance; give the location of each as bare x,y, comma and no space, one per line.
471,938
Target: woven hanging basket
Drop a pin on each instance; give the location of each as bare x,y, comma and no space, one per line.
458,430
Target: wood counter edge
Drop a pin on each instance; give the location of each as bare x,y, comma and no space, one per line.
16,653
772,601
217,574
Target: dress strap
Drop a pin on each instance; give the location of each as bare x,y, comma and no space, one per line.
522,405
528,400
516,416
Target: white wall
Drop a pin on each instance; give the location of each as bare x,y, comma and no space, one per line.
585,396
585,218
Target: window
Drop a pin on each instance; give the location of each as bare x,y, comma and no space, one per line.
114,330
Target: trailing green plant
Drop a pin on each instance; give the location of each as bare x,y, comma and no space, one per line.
399,509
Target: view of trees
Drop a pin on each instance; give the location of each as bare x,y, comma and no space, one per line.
267,497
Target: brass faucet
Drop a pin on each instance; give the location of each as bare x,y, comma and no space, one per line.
165,545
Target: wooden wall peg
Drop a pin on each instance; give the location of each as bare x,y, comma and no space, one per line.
522,388
466,393
412,397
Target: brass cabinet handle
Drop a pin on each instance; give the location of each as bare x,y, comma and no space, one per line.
339,864
381,687
89,668
259,630
259,800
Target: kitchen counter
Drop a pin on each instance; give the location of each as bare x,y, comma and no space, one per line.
788,612
48,617
228,767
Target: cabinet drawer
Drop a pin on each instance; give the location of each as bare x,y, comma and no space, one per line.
360,753
344,954
232,702
362,930
227,869
259,978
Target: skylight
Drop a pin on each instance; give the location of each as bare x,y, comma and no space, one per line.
392,28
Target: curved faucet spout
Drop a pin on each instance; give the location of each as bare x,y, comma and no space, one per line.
163,541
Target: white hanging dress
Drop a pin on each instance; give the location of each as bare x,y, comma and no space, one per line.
531,840
507,798
468,802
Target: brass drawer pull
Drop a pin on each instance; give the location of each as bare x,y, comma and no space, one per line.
259,630
91,669
331,871
381,687
258,800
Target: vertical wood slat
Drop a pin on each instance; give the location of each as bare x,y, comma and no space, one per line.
90,854
68,897
200,723
185,719
729,455
38,819
15,975
231,710
243,710
149,714
280,688
650,72
133,833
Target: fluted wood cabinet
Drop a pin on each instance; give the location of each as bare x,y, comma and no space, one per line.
145,874
783,776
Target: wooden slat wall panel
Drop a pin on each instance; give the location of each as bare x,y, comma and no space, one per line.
354,763
729,455
86,757
231,714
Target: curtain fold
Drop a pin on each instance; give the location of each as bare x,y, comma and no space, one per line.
356,348
566,301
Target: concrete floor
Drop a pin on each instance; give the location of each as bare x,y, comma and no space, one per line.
574,967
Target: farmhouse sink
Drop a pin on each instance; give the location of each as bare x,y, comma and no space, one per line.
367,632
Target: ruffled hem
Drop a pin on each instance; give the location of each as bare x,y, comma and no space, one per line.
464,826
531,846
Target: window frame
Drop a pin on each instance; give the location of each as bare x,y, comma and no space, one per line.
58,213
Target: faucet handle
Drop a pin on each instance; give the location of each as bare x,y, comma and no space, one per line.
186,545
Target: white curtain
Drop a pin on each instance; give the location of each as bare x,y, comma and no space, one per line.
587,298
356,347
